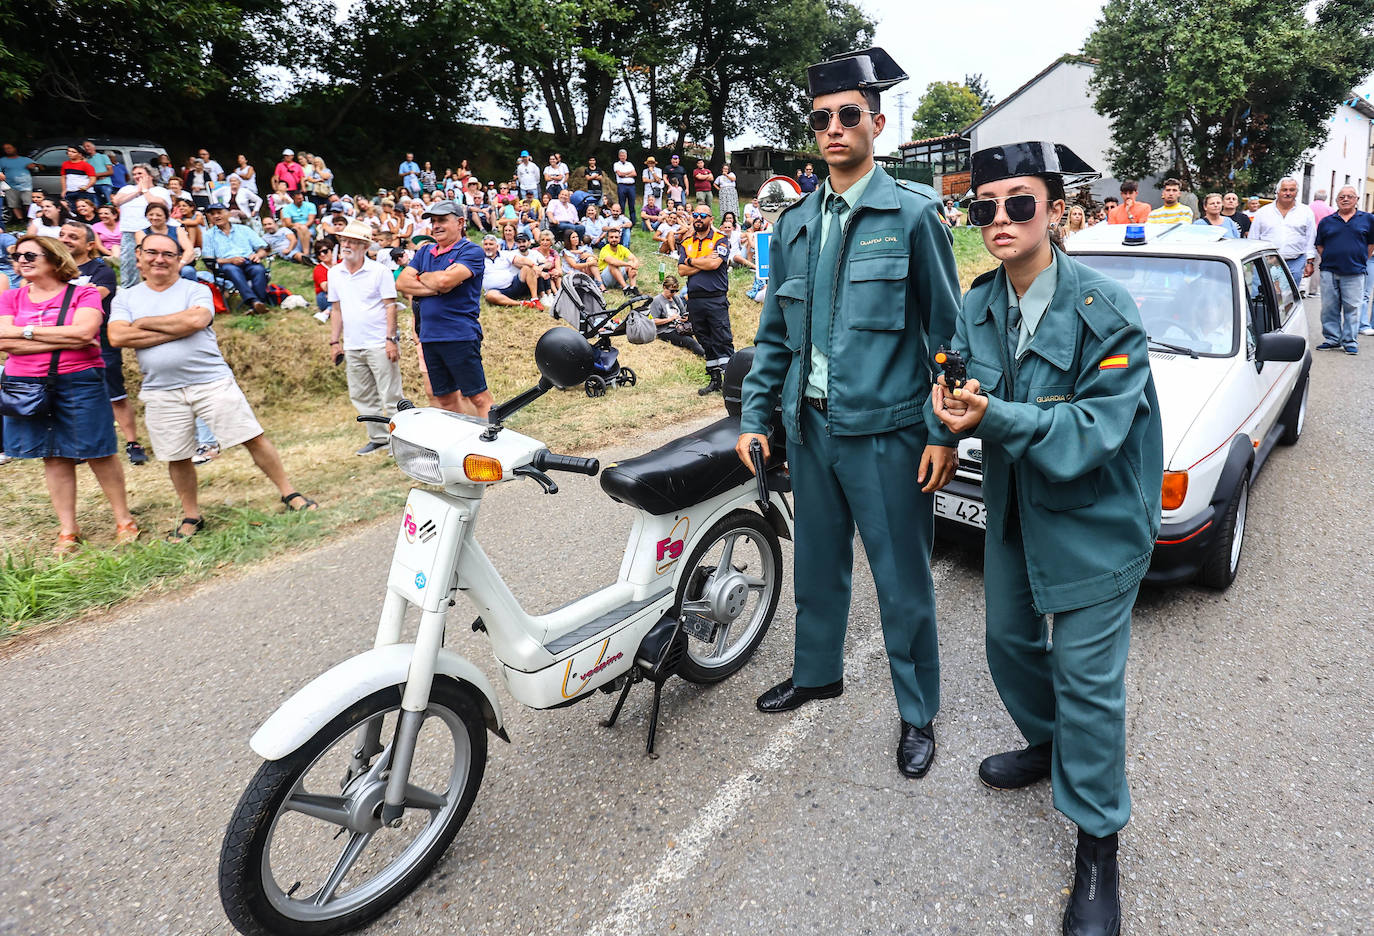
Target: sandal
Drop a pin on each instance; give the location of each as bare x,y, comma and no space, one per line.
195,523
126,533
307,504
67,543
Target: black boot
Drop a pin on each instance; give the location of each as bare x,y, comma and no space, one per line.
1095,905
715,385
1016,769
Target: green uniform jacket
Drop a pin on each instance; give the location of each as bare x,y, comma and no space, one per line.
896,299
1080,434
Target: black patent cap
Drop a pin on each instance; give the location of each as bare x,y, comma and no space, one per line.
1030,159
866,69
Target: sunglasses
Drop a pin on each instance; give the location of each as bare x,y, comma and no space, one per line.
1020,209
849,114
701,214
27,256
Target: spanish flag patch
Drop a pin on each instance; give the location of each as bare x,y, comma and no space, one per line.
1116,360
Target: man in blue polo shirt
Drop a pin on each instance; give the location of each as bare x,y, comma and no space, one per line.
448,274
409,171
239,252
1345,242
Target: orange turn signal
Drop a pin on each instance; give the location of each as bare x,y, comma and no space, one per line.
482,468
1174,489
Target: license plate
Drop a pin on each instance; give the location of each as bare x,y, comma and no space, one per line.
961,510
702,628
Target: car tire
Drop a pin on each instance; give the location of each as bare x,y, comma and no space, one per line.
1295,412
1223,562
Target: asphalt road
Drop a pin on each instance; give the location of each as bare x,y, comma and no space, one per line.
1251,738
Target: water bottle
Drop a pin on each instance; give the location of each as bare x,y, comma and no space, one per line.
662,270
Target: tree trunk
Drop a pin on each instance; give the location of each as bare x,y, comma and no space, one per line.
718,104
599,87
634,107
653,106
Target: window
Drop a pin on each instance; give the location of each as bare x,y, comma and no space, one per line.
1283,286
51,160
143,156
1183,301
1261,317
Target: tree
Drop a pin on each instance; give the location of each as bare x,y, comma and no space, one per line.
1236,110
978,86
946,107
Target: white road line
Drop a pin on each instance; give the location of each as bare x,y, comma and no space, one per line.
627,916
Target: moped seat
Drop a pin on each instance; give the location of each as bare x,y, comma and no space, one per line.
686,471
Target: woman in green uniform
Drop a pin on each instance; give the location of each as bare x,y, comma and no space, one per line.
1061,396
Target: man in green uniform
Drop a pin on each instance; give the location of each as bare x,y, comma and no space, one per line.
1062,398
863,288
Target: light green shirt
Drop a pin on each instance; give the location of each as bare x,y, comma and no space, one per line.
1034,303
820,362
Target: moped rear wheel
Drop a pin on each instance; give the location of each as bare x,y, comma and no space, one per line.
306,851
732,578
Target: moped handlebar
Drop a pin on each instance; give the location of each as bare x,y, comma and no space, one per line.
545,460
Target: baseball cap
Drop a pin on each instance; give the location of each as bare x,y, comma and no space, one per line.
215,206
521,236
288,152
524,152
338,207
445,207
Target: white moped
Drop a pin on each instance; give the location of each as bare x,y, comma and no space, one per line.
370,770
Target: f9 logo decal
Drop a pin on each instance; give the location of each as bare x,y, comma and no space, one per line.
669,549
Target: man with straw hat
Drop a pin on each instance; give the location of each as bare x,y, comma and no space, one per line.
362,329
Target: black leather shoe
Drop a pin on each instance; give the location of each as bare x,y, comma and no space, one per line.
1095,905
916,749
784,697
1016,769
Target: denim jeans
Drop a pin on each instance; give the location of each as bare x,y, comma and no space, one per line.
128,261
625,194
1341,296
1295,266
1366,316
203,434
250,279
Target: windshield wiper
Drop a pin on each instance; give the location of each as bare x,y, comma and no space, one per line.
1164,345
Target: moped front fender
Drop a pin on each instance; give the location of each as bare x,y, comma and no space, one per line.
310,709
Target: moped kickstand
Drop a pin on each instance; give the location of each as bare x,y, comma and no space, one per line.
660,653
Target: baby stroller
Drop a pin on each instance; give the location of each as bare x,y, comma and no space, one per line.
581,304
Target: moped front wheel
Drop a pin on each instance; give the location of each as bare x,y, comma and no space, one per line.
731,581
306,852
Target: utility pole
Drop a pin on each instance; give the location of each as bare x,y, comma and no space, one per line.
901,115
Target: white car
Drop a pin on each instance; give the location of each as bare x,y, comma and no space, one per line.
1230,357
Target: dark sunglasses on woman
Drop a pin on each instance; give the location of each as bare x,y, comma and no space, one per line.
1020,209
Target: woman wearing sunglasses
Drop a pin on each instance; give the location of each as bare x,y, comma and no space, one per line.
1061,396
51,328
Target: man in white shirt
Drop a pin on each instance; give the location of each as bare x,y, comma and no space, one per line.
132,202
362,328
555,175
213,169
508,274
1289,226
168,320
624,171
527,176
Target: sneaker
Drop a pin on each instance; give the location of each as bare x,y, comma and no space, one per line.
1367,330
532,304
547,301
1329,346
1352,349
138,455
5,459
370,447
321,317
205,453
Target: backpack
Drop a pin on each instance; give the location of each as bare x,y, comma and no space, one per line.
277,294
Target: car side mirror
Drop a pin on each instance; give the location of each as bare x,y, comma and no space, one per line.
1276,346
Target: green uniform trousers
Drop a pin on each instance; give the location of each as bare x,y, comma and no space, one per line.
868,481
1070,690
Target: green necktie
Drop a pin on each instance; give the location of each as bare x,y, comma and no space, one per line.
827,270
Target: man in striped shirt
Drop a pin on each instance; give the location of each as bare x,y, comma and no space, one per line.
1172,211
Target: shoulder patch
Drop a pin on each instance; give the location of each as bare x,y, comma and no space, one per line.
982,278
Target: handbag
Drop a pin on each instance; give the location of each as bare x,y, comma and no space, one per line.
25,399
639,328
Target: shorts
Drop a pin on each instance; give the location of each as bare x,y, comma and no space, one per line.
516,290
114,374
455,367
171,417
81,424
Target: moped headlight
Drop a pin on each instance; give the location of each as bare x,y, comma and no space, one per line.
418,462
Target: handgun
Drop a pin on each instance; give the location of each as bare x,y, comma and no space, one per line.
760,473
954,369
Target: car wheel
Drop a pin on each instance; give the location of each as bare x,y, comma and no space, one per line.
1219,571
1295,412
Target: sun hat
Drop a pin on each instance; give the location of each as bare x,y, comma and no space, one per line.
357,230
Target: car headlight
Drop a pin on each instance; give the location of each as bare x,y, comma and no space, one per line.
418,462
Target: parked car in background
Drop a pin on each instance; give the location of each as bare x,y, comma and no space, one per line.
1230,357
50,154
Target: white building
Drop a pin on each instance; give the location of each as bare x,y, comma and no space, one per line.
1344,158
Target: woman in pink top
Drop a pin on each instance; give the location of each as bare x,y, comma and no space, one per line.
107,230
79,423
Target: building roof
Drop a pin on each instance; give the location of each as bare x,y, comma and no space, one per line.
947,138
1067,59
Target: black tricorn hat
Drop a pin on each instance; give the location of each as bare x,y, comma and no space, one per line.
1030,159
854,71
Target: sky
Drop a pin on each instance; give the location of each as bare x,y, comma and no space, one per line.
992,37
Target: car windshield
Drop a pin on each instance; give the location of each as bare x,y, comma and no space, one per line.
1184,301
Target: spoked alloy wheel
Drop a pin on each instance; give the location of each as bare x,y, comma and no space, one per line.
306,851
733,577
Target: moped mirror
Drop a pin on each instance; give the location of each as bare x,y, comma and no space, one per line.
775,194
564,358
